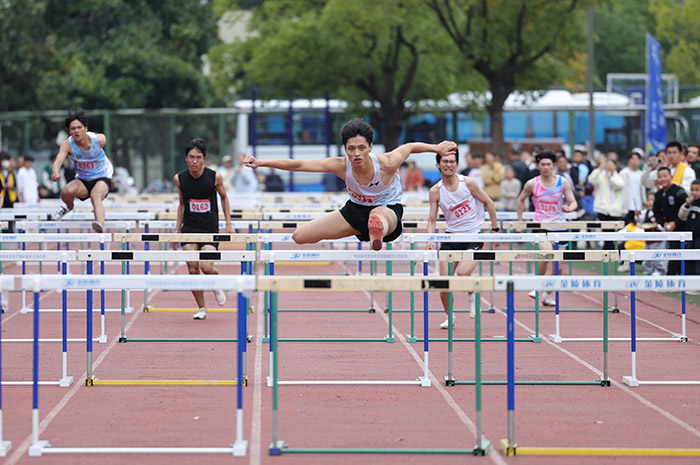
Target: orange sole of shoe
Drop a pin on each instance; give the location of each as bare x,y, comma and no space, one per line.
376,231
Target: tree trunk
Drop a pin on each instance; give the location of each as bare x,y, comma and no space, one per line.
393,120
499,94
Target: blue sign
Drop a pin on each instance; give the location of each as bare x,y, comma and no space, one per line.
656,121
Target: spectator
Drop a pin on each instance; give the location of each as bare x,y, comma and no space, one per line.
519,166
474,170
690,213
274,182
693,158
332,183
647,221
414,178
492,174
8,180
608,184
582,168
667,201
633,191
510,189
403,175
681,174
227,171
27,183
245,180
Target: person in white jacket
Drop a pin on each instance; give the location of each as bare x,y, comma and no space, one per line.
632,192
609,198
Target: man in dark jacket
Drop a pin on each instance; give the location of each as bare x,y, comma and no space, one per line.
667,201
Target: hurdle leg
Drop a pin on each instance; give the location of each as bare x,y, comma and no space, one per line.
449,379
273,309
122,333
103,337
88,329
277,445
682,337
632,380
605,380
4,445
425,379
508,445
481,447
65,380
240,446
372,270
390,336
37,447
556,337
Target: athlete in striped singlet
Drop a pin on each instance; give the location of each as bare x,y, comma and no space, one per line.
548,192
374,210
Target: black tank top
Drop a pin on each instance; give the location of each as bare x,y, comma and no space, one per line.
199,195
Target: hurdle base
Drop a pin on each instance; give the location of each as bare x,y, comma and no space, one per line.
5,448
535,338
37,449
269,381
65,382
373,310
410,338
630,381
424,381
266,339
389,338
276,447
604,382
555,338
680,337
102,339
483,450
509,450
450,381
240,448
614,310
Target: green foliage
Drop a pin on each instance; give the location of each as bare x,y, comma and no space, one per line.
677,29
118,53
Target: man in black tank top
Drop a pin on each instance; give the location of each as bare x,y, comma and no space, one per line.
198,212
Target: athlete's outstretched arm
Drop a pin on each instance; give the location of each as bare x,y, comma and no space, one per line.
401,153
335,165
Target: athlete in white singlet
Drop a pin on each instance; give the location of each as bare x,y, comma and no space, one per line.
462,202
548,192
93,169
374,211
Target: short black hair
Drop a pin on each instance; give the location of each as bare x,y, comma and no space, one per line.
438,157
198,144
28,158
695,183
356,127
77,114
545,154
663,168
675,144
635,154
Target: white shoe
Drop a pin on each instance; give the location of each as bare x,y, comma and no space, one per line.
58,214
220,297
472,306
547,300
446,324
201,314
97,227
624,267
533,294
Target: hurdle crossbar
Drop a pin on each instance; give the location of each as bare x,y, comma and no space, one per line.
66,225
486,237
563,224
168,255
347,255
619,236
371,283
529,255
177,237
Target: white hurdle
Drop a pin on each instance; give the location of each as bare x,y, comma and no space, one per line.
240,284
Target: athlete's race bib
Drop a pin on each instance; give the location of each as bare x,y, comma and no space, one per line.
548,207
461,209
200,205
85,165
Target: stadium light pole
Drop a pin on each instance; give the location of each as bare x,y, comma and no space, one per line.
590,70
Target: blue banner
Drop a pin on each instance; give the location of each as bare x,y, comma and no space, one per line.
656,134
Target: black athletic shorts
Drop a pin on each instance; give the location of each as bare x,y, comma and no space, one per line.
90,184
562,244
357,216
461,245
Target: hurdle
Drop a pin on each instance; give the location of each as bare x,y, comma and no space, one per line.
685,282
241,284
242,256
5,283
613,283
619,236
361,283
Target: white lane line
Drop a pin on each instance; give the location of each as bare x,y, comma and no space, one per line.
256,422
461,414
41,297
22,449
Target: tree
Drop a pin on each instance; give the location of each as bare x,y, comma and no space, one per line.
677,29
107,53
390,54
514,44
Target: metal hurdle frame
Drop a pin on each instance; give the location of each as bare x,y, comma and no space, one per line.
62,257
243,256
361,283
541,255
6,283
241,284
618,237
644,283
613,283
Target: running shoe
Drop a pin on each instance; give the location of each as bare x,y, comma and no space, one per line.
201,314
58,214
446,324
97,227
547,300
220,297
376,231
533,294
624,267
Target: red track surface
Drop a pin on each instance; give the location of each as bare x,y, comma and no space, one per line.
382,416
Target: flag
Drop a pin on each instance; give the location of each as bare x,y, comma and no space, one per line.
656,133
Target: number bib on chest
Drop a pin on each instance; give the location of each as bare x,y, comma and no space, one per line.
200,205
